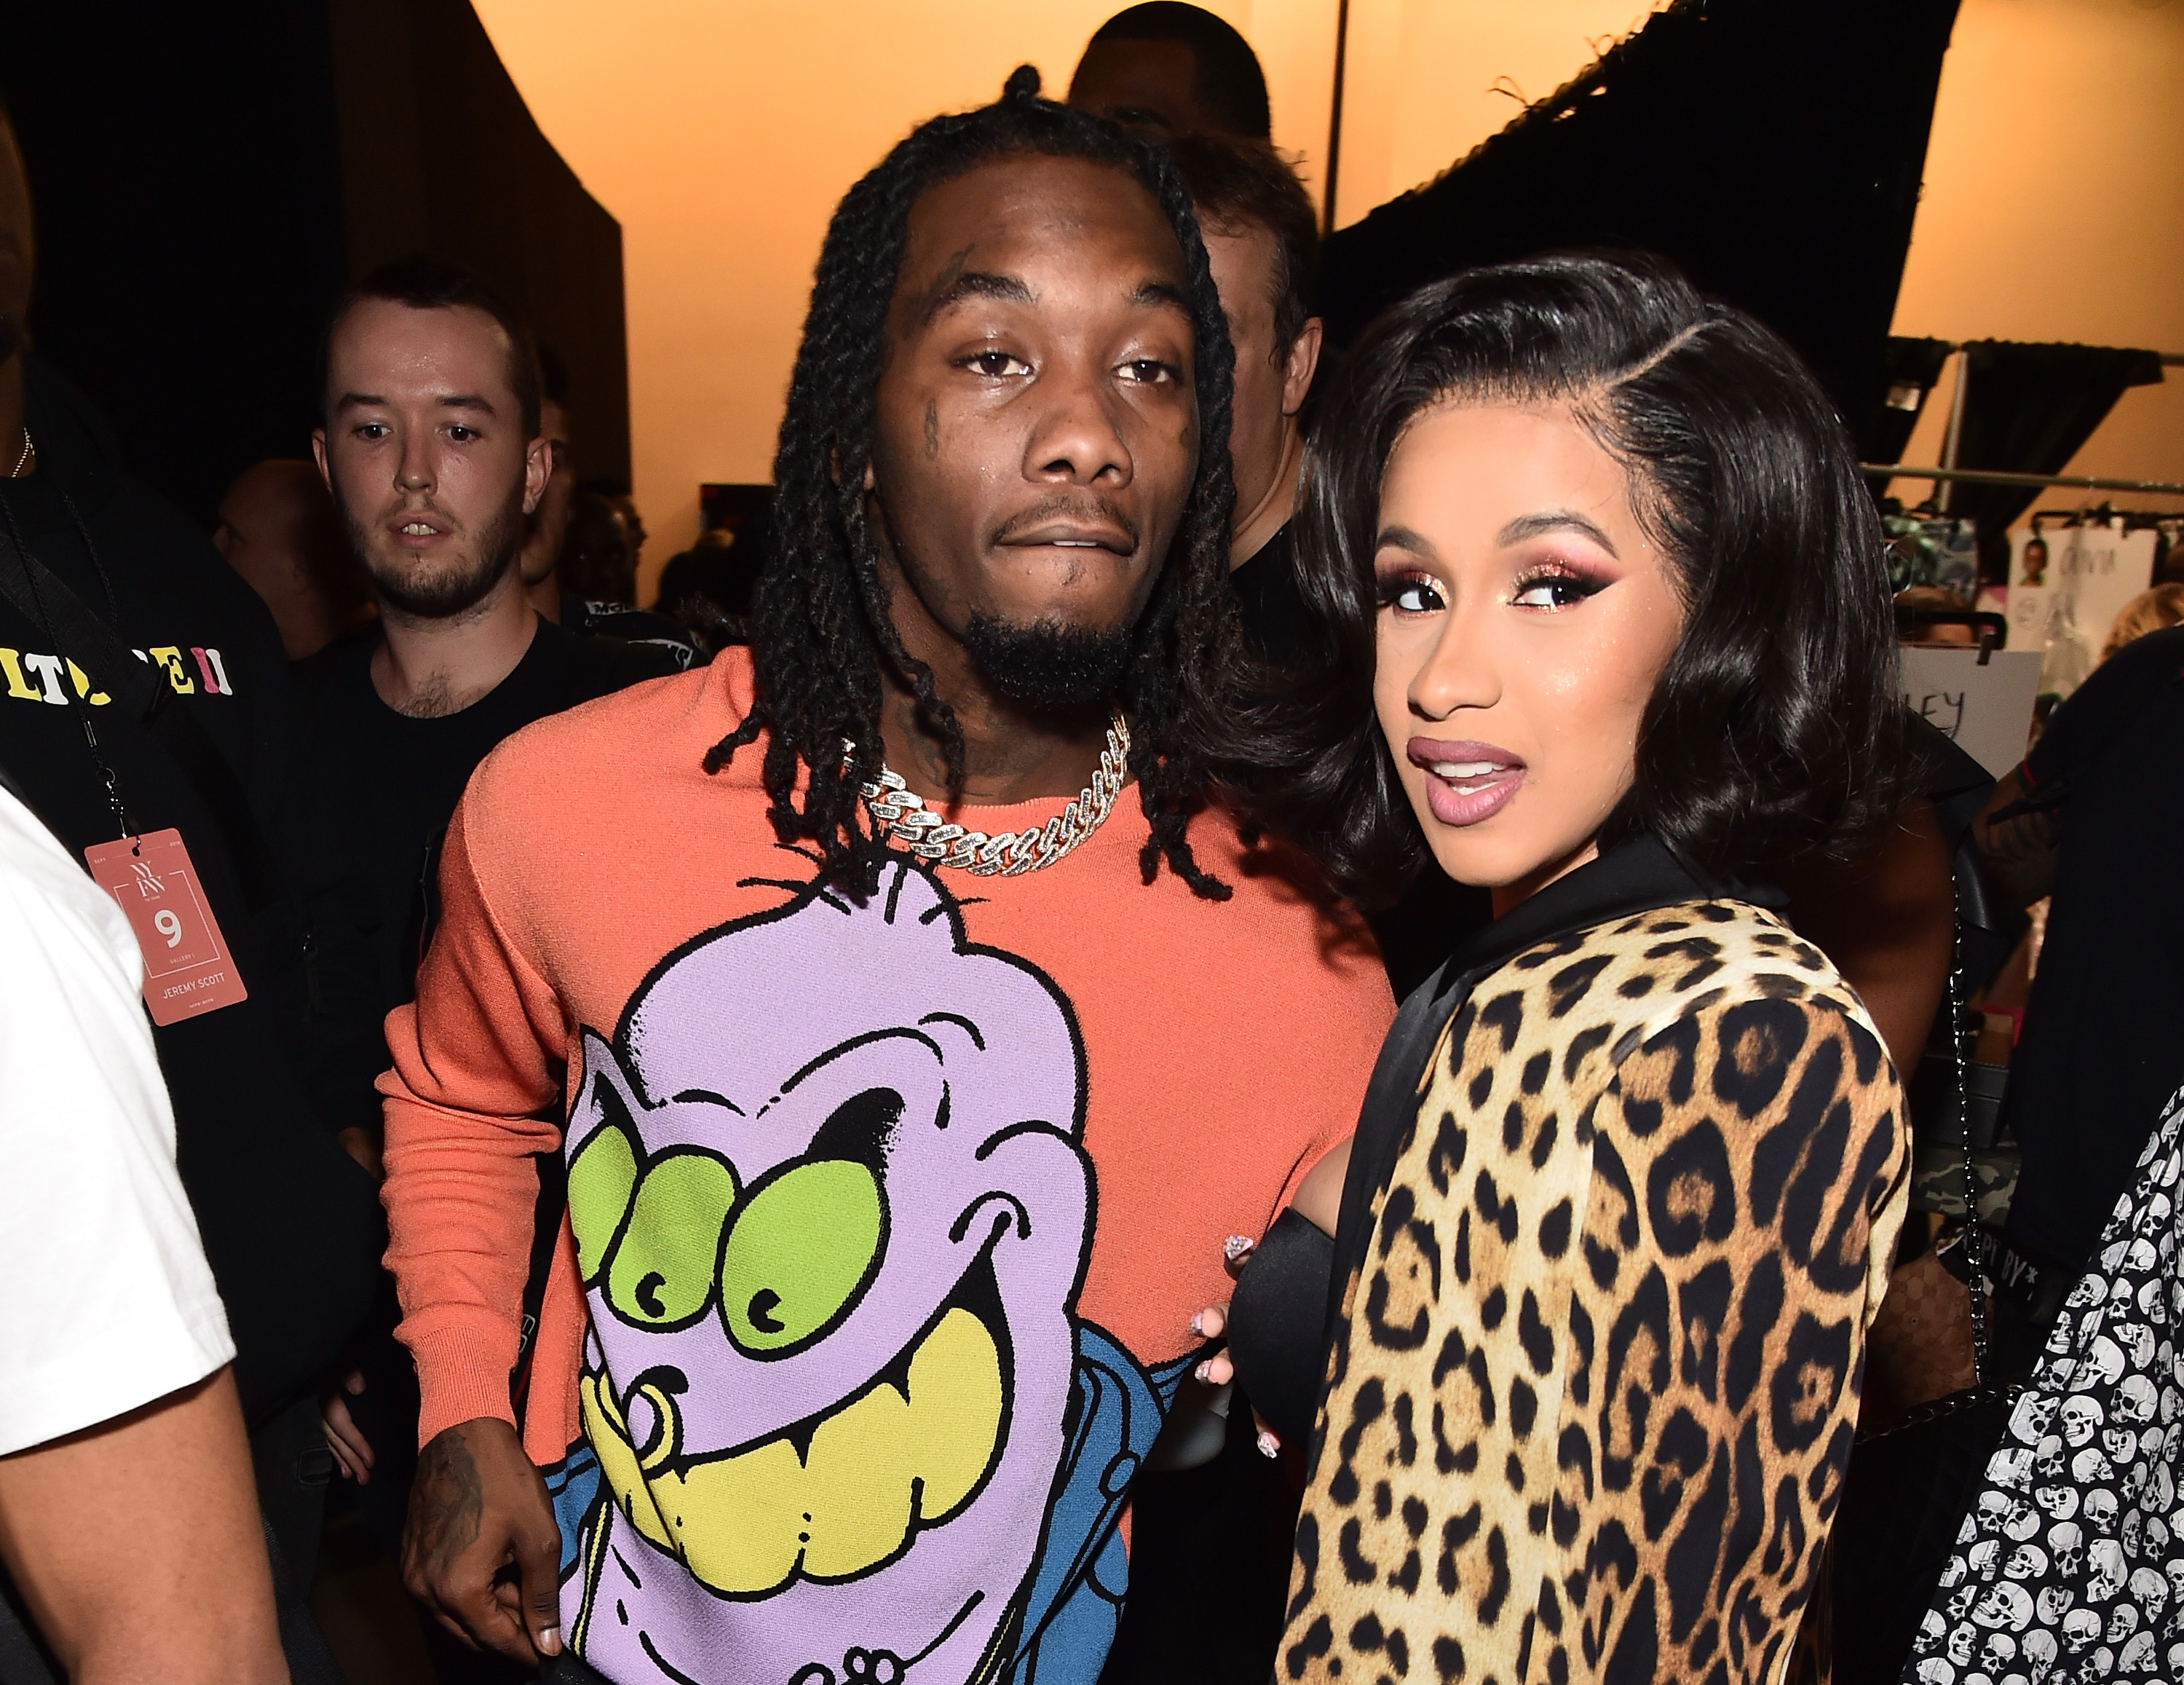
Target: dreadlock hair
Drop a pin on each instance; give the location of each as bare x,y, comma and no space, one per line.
821,630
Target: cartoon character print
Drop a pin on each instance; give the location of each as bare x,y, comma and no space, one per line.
831,1212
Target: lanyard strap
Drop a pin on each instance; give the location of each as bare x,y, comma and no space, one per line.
142,693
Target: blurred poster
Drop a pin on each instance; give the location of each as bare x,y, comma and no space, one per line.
1985,706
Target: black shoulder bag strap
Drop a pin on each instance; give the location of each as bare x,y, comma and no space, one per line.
140,692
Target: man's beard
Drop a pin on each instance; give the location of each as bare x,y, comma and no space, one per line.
1050,666
453,589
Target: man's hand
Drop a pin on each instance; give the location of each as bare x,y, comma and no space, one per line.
478,1510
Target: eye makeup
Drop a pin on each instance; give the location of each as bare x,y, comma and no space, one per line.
1554,584
1408,590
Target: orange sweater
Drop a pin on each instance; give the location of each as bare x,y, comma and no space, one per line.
887,1185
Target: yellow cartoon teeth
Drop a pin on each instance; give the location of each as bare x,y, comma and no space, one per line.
886,1462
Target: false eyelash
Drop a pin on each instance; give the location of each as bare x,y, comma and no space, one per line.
1584,584
1386,587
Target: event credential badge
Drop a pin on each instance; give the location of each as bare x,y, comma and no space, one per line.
187,968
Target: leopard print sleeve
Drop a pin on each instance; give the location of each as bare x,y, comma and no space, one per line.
1746,1186
1596,1390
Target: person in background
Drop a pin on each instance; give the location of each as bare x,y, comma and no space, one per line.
1165,68
546,528
1625,1191
598,563
1262,241
835,971
603,538
710,590
277,529
1936,599
434,451
2090,819
613,545
1212,1531
604,552
2148,611
128,1521
289,1222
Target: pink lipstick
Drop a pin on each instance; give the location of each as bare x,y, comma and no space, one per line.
1466,781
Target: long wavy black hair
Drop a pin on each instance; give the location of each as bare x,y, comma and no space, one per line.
1776,730
822,632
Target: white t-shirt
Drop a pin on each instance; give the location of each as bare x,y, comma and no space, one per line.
106,1302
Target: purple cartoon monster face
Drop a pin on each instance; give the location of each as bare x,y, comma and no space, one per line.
831,1214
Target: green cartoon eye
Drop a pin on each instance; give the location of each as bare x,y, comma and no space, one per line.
662,1273
801,1248
601,1179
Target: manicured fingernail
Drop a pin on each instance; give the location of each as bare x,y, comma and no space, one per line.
549,1641
1269,1446
1236,1246
1198,1323
1202,1371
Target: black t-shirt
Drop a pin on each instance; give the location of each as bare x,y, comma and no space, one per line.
376,790
290,1224
1278,626
2103,1042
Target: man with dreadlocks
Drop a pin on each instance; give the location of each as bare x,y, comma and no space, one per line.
908,1067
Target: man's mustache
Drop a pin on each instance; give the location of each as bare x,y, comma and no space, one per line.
1092,510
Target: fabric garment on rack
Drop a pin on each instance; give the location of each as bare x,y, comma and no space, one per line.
2068,584
2070,1563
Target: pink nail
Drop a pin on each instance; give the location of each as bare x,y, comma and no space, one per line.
1236,1246
1201,1371
1269,1446
1198,1323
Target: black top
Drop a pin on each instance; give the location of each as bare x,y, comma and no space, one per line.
2103,1042
1278,626
635,626
290,1224
374,791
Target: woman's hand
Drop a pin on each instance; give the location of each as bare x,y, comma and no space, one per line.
1212,1322
344,1438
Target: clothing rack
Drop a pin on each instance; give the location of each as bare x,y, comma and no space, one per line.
2102,514
2173,360
1946,481
1996,477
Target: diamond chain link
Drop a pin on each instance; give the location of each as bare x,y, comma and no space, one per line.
904,818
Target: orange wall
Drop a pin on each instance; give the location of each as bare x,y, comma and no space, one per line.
2054,209
722,132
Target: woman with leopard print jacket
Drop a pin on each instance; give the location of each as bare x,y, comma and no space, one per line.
1609,626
